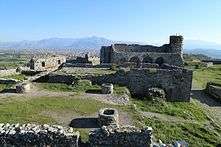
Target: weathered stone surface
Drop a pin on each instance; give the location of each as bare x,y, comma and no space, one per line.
156,93
46,62
108,116
175,81
214,90
122,53
37,135
126,136
107,88
23,87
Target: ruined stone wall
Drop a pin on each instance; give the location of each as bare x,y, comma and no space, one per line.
37,135
57,78
214,90
176,82
125,136
168,53
46,63
144,57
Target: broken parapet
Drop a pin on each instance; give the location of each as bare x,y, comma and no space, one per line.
37,135
121,136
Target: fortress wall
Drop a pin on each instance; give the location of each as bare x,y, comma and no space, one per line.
176,82
169,58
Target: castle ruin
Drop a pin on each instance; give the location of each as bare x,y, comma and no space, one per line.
121,54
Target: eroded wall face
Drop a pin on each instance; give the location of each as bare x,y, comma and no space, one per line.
176,82
169,58
42,64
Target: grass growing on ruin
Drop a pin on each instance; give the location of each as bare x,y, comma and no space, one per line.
79,71
204,75
194,134
186,110
19,77
5,86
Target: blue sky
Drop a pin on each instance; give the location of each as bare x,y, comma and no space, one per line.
131,20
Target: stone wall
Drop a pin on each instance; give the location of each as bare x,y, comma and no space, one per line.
214,90
168,53
125,136
46,63
176,82
37,135
57,78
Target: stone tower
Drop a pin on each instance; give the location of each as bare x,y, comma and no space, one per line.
176,44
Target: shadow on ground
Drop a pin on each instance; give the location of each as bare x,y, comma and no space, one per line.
94,91
204,98
10,90
88,122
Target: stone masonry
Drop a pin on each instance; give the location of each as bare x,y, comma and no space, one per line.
46,62
121,54
124,136
32,135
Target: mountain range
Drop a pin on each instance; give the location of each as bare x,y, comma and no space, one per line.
93,44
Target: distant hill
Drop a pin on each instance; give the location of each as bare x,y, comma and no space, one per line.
93,44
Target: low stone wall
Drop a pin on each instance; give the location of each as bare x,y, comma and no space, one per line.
37,135
57,78
126,136
214,90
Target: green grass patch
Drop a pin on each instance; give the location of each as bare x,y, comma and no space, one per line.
81,86
5,86
187,110
193,134
19,77
27,111
204,75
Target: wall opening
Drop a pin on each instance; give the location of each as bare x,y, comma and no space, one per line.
159,61
147,59
43,64
59,61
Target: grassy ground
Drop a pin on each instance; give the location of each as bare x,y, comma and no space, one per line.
19,77
204,75
195,134
186,110
12,61
30,110
82,86
79,71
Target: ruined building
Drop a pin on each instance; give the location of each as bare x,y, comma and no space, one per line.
141,54
164,71
46,62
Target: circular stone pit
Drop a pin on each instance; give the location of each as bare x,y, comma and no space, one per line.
107,88
108,116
